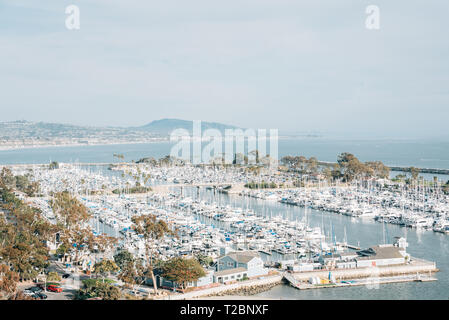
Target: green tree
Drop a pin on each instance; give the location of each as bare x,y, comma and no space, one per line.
336,172
122,258
105,268
53,277
98,289
352,167
312,165
182,271
75,233
327,173
152,230
132,273
7,179
204,260
8,282
379,170
70,212
53,165
414,173
23,237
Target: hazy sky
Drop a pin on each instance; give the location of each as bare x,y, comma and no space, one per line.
288,64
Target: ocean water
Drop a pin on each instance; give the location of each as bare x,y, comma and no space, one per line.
424,154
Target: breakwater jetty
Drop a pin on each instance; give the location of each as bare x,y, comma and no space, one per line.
397,168
422,170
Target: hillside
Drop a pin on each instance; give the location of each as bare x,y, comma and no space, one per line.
165,126
26,134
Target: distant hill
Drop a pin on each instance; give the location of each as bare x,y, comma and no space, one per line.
16,134
42,132
166,126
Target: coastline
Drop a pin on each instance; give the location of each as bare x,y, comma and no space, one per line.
93,144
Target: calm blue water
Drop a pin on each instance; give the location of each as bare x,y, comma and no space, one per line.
428,154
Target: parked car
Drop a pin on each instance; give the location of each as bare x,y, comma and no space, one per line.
28,293
54,288
66,275
35,289
40,295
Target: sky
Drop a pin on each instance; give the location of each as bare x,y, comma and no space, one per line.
298,66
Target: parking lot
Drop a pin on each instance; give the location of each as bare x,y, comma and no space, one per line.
69,285
67,294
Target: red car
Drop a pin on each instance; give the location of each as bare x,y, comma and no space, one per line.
54,288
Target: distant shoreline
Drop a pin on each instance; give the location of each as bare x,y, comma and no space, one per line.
79,144
43,146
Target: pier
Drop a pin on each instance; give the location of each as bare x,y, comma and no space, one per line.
371,282
418,270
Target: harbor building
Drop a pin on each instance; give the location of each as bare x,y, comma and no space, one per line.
239,265
162,282
384,255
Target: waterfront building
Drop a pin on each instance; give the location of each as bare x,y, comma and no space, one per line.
382,255
301,267
238,265
205,281
233,274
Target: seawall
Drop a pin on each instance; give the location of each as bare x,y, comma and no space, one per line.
240,288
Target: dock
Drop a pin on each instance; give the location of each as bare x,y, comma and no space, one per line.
369,282
418,271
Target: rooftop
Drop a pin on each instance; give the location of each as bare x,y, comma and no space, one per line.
243,257
229,271
378,252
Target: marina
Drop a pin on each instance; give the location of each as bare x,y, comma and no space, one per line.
246,150
284,232
418,208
